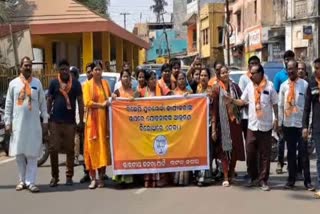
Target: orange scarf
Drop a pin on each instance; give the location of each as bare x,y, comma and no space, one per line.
26,90
200,89
95,97
229,106
65,89
126,93
291,99
257,95
139,89
164,88
178,91
147,93
213,81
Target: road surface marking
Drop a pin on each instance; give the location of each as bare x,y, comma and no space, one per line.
7,160
139,191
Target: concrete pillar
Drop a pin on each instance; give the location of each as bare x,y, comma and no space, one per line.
106,46
119,54
48,56
87,49
142,56
129,49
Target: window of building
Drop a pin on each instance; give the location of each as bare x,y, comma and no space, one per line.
194,38
157,51
205,36
220,35
238,14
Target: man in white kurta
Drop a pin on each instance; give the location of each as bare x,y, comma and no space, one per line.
25,102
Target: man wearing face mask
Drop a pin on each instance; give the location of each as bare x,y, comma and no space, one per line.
291,106
25,98
279,78
63,94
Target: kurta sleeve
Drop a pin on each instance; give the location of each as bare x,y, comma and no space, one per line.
281,105
86,95
43,104
8,112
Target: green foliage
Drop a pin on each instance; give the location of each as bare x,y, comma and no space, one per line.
99,6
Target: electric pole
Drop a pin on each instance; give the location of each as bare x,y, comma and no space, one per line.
227,32
199,27
124,19
166,36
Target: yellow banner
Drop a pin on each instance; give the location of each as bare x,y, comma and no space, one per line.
159,134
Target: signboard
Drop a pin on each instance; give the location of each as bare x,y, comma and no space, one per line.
307,32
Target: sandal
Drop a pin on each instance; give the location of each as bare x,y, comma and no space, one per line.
226,184
33,188
93,184
20,186
100,183
317,195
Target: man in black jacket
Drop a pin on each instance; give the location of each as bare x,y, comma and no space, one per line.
313,104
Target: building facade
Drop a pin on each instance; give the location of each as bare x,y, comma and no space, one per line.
179,13
302,28
257,28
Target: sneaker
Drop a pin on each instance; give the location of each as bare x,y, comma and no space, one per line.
252,183
264,187
85,179
309,187
54,182
93,184
289,186
279,168
69,182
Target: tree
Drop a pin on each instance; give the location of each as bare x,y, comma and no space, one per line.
99,6
158,8
6,8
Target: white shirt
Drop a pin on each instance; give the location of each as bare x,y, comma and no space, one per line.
243,82
295,119
268,98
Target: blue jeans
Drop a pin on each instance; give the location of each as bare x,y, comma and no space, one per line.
316,138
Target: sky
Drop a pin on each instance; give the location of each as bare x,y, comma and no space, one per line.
137,9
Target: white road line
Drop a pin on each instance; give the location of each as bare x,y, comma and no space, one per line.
139,191
7,160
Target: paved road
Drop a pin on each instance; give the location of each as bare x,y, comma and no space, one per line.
214,199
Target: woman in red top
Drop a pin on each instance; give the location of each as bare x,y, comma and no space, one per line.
226,125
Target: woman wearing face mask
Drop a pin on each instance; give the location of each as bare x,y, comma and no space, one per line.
226,125
125,91
96,150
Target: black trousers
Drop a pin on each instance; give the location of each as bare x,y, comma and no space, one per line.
293,137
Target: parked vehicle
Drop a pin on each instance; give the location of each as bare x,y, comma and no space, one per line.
4,138
235,75
111,77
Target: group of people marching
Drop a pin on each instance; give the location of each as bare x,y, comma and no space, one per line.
241,119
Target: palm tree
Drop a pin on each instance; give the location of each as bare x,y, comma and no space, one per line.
158,8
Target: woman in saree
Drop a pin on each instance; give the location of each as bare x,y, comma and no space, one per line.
204,177
125,91
153,89
182,178
96,146
226,125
